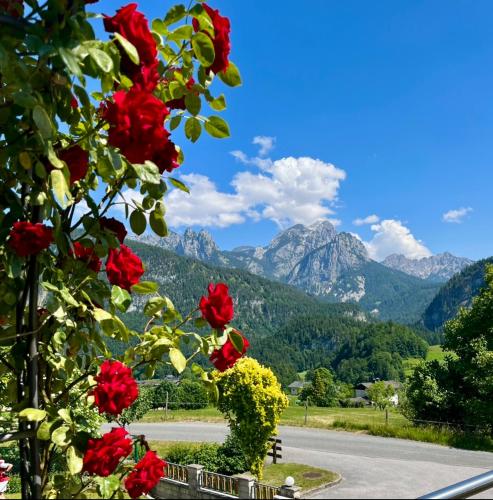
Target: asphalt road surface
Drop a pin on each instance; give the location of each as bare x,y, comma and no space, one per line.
371,467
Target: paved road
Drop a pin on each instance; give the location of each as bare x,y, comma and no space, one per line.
372,467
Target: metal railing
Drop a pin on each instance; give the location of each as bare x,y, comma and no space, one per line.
265,491
464,489
219,482
176,472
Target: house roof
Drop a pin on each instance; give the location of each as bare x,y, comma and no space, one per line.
367,385
298,384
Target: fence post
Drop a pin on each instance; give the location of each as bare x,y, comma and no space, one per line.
245,485
306,410
194,473
166,407
289,492
386,416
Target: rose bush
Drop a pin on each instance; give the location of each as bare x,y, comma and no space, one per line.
78,170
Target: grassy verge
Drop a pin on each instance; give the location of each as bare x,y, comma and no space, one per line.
305,476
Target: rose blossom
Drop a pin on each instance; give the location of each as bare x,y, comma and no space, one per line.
217,308
133,26
222,45
103,455
115,226
136,121
14,8
228,355
77,160
116,388
123,267
88,256
27,238
145,475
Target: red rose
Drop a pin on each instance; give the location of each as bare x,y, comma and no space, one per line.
103,455
123,267
145,475
136,121
77,160
14,8
222,44
133,26
116,389
27,238
217,308
88,256
115,226
228,355
74,103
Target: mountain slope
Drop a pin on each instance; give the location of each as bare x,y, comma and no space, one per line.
456,293
438,268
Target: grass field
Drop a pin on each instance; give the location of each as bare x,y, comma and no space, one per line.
435,352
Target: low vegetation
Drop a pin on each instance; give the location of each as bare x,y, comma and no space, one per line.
305,476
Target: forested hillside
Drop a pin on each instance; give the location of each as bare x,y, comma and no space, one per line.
456,293
288,329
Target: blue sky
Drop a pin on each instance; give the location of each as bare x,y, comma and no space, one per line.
398,96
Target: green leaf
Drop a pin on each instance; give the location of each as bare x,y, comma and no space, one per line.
102,59
138,222
70,61
193,104
60,436
145,287
158,224
129,48
44,431
179,185
193,129
174,122
74,460
120,298
159,27
175,14
154,305
33,414
204,49
101,315
217,127
219,104
148,172
236,340
177,359
107,485
231,76
181,33
60,187
65,414
43,122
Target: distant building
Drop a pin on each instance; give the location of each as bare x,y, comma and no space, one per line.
361,390
157,381
296,387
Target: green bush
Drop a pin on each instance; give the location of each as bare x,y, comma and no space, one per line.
141,406
225,459
192,395
159,395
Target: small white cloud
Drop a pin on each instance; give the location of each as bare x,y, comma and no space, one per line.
266,144
391,236
456,216
370,219
240,156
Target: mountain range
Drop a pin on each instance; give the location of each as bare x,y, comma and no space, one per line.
332,266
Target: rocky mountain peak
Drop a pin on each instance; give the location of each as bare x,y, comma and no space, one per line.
440,267
199,245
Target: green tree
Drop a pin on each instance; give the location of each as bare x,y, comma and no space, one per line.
380,394
165,392
460,389
322,391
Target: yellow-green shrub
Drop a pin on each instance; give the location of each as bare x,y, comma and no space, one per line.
252,400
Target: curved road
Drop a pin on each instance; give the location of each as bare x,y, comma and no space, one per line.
372,467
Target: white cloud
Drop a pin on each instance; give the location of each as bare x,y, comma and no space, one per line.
290,191
391,236
456,216
266,144
370,219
